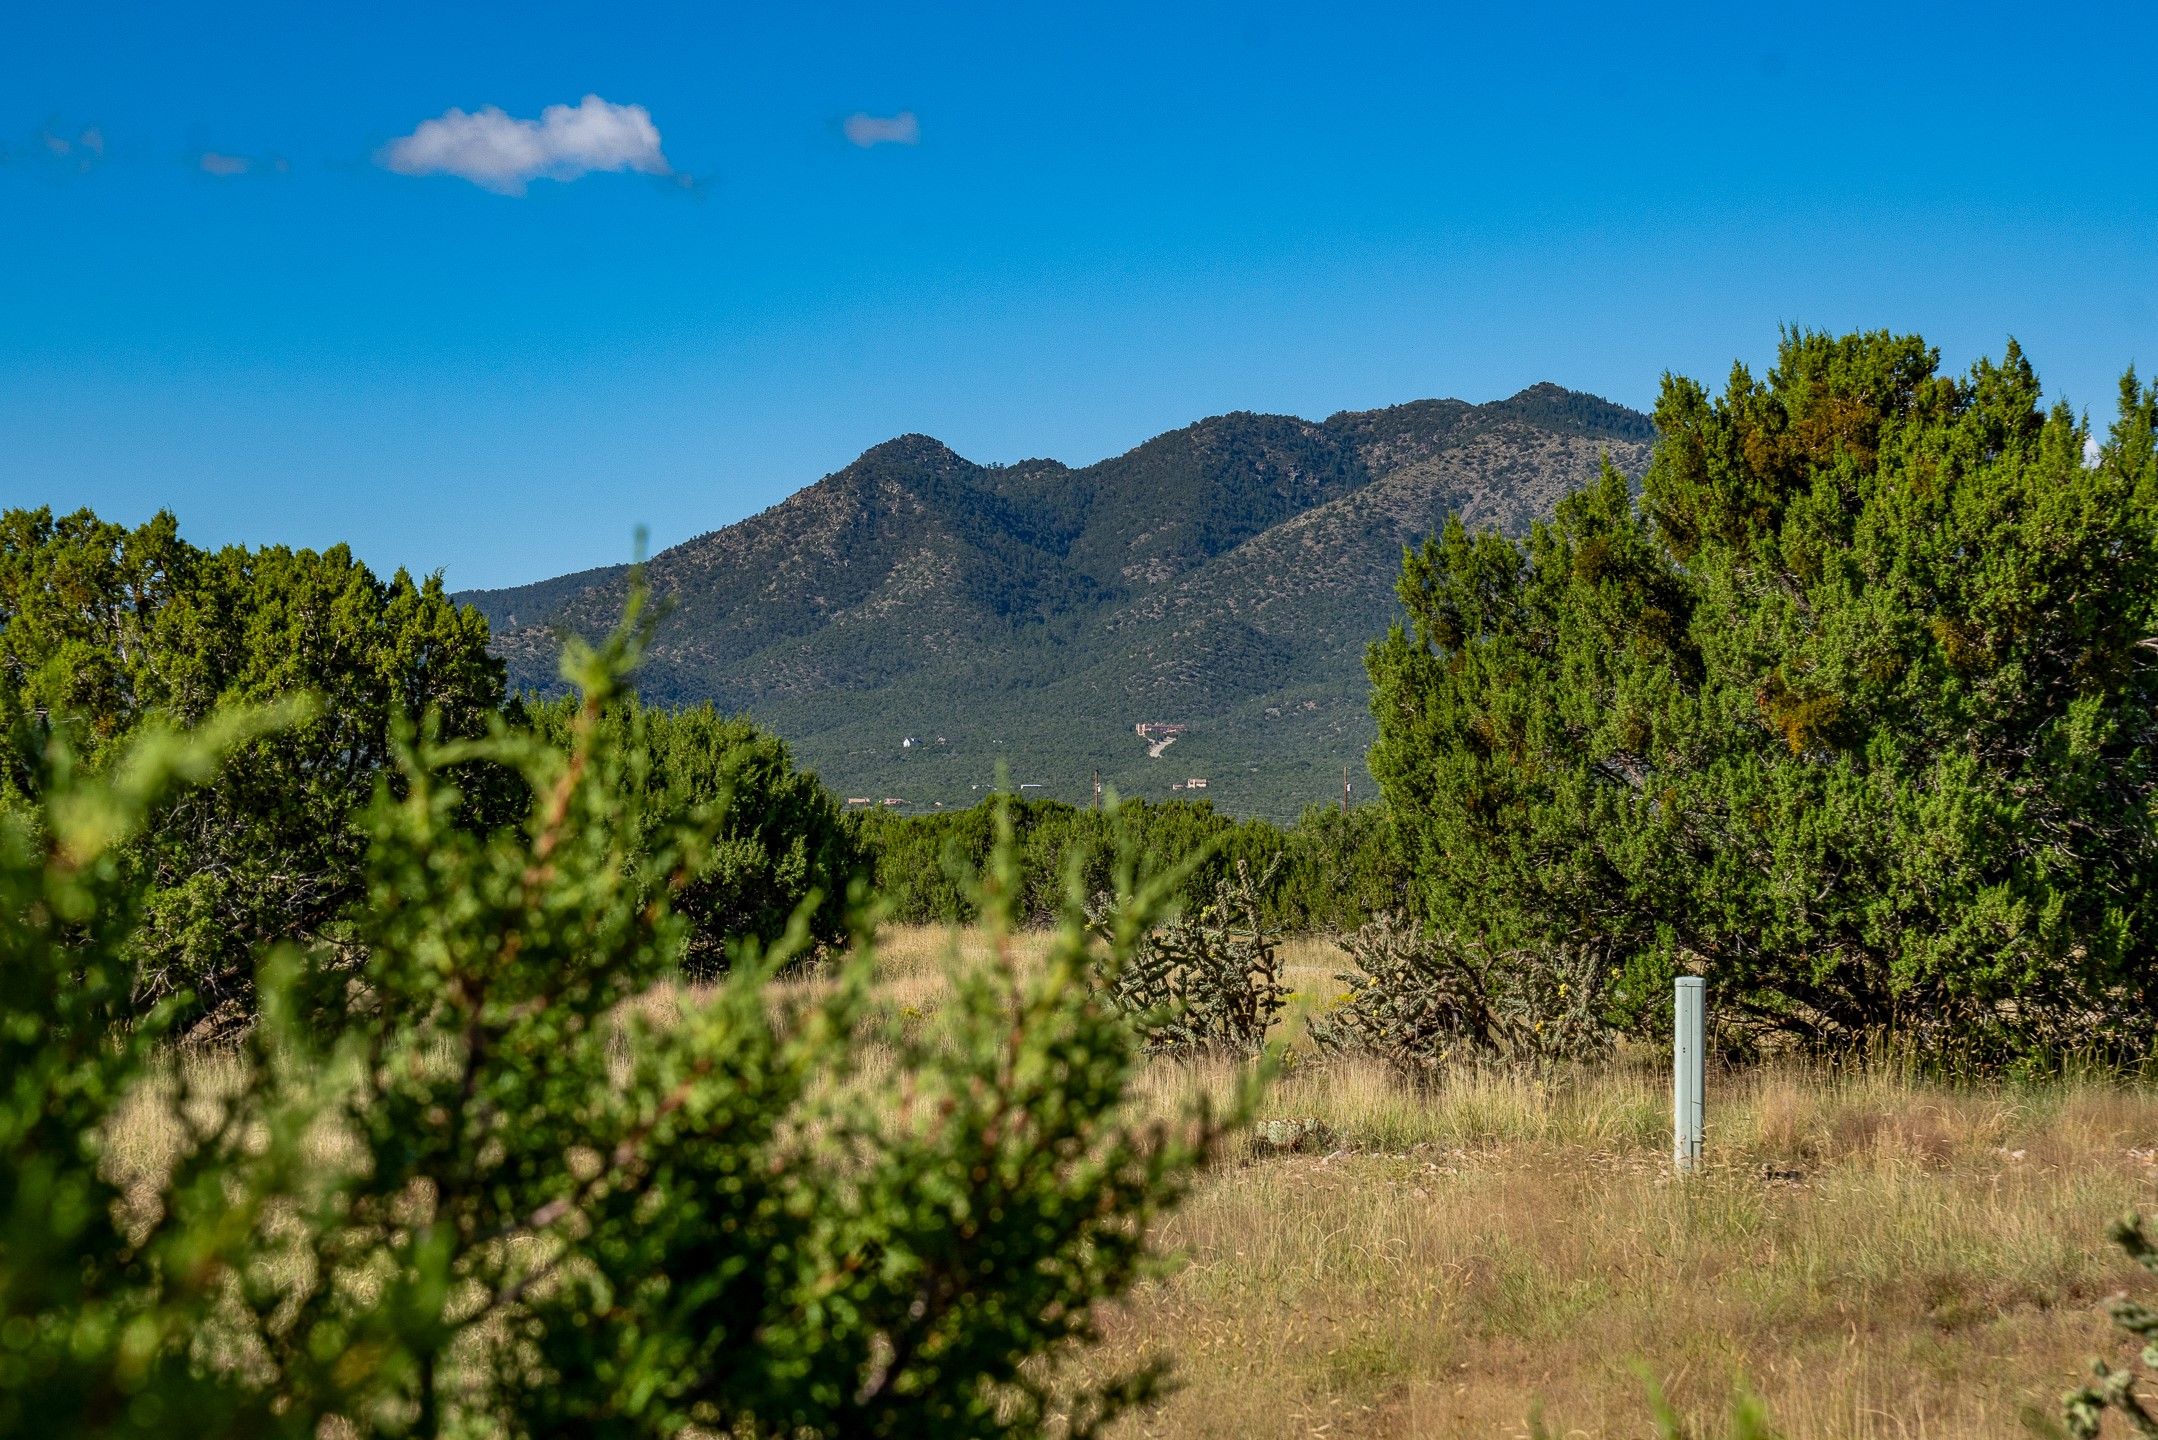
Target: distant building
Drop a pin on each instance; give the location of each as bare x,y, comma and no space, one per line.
1155,729
909,743
892,801
1195,784
858,800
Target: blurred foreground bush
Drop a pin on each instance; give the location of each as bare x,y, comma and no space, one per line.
487,1185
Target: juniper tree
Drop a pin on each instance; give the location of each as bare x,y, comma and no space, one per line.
1853,711
104,630
780,833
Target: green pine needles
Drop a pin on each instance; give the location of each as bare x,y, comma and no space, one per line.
1852,712
506,1178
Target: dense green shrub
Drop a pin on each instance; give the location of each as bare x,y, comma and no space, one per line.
95,1309
105,629
1340,869
1852,712
781,836
1336,870
489,1187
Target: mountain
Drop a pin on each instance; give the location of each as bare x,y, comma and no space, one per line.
1224,577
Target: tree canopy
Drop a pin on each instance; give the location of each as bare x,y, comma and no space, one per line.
1332,870
1851,711
781,837
104,629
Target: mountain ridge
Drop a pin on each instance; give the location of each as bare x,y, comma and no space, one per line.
1230,572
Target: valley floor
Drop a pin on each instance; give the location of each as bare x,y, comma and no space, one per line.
1874,1256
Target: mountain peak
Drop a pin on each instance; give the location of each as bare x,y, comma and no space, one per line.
1544,390
1573,412
924,452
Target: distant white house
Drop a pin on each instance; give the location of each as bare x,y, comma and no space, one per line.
1195,784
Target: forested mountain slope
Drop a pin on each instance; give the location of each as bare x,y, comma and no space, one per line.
1224,577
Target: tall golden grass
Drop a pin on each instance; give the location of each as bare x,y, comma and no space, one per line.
1876,1255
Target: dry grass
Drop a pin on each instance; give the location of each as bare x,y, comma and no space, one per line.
1879,1258
1876,1256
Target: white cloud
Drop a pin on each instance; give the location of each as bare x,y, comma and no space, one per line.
500,152
900,129
216,164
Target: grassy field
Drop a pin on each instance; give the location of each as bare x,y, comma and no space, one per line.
1875,1256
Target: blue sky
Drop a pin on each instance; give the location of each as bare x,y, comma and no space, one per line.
1111,220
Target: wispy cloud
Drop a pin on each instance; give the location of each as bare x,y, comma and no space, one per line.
215,164
499,152
868,130
83,150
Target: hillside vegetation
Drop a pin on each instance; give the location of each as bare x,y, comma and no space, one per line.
1225,576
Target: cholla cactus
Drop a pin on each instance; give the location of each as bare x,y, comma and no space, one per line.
1422,1001
2084,1410
1208,983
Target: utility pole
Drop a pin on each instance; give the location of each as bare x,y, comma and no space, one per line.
1344,789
